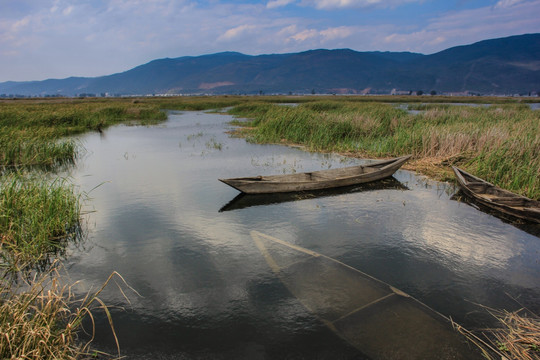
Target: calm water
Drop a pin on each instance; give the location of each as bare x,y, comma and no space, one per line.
173,231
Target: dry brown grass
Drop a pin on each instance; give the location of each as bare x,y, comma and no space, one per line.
519,335
40,318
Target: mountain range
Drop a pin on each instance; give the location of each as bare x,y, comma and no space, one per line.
497,66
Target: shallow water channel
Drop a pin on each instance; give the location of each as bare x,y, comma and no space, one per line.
181,239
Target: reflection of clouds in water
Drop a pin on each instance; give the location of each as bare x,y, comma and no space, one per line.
459,235
157,223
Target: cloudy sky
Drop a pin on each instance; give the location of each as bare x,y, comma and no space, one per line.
61,38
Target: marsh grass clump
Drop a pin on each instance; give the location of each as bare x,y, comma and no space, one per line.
519,334
197,103
41,318
36,217
252,109
213,144
34,133
24,149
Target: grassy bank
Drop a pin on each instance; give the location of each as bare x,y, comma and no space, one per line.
37,217
33,132
499,143
41,214
36,211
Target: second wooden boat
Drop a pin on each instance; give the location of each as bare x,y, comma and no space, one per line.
316,180
496,198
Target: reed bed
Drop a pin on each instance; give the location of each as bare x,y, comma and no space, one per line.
37,217
23,149
34,132
40,214
499,143
42,319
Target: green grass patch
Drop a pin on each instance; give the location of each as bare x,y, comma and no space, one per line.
500,143
37,217
34,132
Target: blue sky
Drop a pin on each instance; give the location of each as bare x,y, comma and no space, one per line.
61,38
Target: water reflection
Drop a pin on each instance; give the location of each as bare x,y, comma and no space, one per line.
205,289
531,228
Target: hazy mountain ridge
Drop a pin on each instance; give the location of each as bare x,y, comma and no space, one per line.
497,66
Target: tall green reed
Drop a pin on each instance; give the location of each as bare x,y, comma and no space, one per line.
36,217
499,142
34,133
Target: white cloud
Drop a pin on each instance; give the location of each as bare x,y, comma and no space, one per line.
67,10
316,37
506,3
233,33
272,4
61,38
287,31
337,33
336,4
305,35
468,26
414,41
20,24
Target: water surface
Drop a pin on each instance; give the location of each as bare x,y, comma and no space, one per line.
161,220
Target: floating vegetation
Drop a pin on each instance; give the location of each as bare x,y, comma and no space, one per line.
516,337
195,136
213,144
519,334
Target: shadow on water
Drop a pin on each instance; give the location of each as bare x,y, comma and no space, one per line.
529,227
243,201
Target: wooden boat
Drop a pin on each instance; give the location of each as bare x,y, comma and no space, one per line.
379,320
316,180
495,198
242,200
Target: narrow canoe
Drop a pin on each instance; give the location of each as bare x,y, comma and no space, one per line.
242,200
496,198
316,180
379,320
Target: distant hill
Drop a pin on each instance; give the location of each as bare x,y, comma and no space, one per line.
499,66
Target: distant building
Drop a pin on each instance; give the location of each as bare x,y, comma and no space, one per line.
400,92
